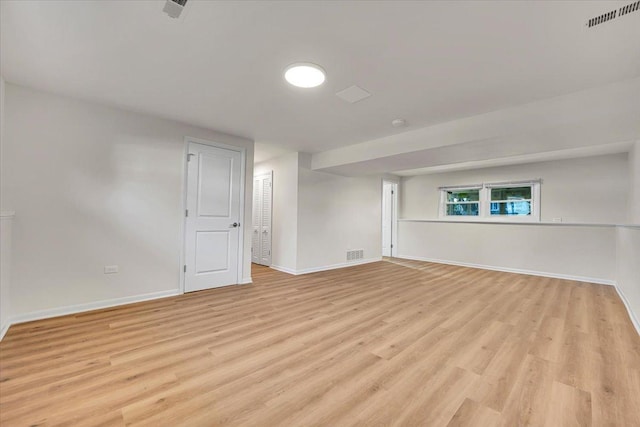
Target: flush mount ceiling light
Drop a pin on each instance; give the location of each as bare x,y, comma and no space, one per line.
304,74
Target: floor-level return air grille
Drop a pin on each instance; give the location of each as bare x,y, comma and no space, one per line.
355,255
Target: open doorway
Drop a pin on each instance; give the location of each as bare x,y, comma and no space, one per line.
389,218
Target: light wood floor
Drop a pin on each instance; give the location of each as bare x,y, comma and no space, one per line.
404,343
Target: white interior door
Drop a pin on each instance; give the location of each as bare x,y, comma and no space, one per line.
389,212
256,221
265,232
262,212
212,227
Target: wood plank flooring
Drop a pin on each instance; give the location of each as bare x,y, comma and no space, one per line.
383,344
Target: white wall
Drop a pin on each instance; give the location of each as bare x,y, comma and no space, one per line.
590,190
337,214
2,90
318,217
628,269
577,252
585,190
634,184
5,236
6,220
95,186
284,231
628,242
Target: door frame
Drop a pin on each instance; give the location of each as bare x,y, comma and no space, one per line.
243,217
394,216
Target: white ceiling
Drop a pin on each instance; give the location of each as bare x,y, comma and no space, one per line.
220,65
580,123
265,152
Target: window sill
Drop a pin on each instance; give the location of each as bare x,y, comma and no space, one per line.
506,222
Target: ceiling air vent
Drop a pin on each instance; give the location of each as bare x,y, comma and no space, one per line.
633,7
602,18
173,8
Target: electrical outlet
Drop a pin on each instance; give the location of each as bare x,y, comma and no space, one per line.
110,269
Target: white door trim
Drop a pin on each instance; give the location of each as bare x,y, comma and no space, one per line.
394,215
243,221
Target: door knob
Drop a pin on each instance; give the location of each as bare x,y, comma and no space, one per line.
235,224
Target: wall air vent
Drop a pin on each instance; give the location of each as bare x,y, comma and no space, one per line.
605,17
174,8
355,255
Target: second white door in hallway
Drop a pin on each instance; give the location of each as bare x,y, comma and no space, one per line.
262,211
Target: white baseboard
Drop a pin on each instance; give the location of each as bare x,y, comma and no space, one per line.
632,315
4,329
79,308
336,266
325,267
283,269
246,281
514,270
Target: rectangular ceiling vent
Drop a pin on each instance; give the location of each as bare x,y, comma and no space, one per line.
353,94
173,8
605,17
633,7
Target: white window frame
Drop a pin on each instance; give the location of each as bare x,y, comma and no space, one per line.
484,204
444,202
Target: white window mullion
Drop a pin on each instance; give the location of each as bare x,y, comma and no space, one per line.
484,206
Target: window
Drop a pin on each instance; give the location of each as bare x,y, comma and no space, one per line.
514,201
463,202
511,201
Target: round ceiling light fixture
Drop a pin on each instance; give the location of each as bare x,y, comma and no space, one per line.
304,74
